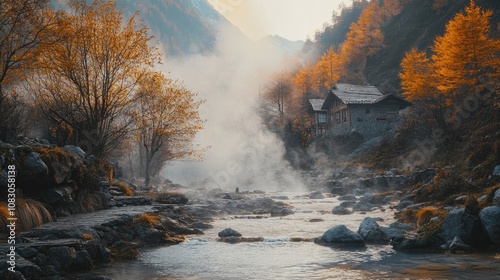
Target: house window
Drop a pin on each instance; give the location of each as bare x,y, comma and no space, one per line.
337,117
322,117
344,115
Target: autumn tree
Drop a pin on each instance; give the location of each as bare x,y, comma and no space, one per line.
167,121
24,26
466,61
304,80
87,79
416,77
466,51
328,69
363,40
419,86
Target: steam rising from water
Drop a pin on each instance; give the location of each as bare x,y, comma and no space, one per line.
243,152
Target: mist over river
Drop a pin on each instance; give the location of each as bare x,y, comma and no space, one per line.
281,256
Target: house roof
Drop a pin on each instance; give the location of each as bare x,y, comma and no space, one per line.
357,94
316,104
390,99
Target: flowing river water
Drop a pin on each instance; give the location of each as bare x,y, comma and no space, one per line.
281,256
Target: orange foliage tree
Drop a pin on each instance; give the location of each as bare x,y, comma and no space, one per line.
363,40
466,52
86,79
416,77
304,80
466,60
327,70
167,121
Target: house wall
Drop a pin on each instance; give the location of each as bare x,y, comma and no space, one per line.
366,120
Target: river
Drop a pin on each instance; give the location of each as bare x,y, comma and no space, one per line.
280,256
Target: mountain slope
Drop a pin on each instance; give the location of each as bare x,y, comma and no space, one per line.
288,47
181,26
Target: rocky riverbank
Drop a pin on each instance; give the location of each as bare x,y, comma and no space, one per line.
76,243
466,221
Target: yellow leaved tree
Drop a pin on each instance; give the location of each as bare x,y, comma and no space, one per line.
465,62
416,77
167,121
87,77
304,80
328,69
363,40
466,52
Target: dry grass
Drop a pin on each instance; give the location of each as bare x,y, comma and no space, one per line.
29,213
54,154
148,219
87,236
408,216
384,194
446,186
4,214
122,250
127,191
424,215
88,201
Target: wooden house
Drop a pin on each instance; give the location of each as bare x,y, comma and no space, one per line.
361,109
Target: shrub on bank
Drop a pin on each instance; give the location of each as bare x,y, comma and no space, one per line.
127,191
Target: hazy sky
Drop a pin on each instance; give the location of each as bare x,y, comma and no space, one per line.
291,19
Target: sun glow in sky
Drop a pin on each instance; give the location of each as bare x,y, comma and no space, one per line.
291,19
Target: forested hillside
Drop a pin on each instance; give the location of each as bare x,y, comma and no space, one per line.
416,25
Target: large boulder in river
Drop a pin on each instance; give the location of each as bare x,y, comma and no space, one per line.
229,232
339,210
340,236
459,223
372,232
392,232
490,218
407,244
496,197
316,195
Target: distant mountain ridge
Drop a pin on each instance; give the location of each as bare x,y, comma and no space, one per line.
182,26
287,46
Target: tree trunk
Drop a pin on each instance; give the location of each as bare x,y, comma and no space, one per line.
147,177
